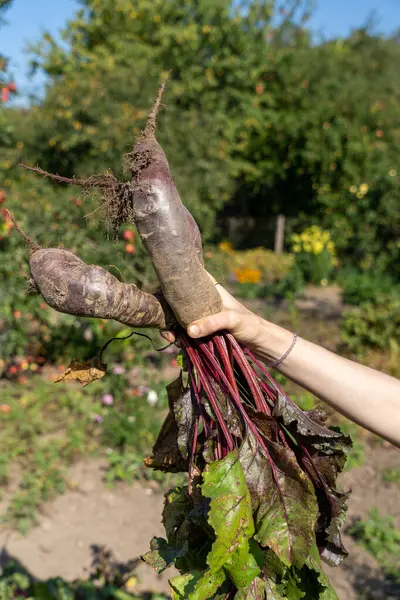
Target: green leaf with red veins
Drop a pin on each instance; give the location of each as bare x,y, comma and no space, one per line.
231,518
283,498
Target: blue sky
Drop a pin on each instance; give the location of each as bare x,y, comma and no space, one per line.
27,19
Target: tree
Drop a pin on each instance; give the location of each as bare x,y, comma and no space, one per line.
7,87
116,53
323,141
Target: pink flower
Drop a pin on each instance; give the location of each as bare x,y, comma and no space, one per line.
118,370
171,350
107,399
98,418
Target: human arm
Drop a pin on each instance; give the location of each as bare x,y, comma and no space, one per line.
366,396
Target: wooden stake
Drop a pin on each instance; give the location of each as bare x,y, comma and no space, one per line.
279,234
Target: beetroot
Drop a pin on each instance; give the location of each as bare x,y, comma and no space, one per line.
260,507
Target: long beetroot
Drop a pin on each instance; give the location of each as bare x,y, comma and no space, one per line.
261,506
71,286
161,220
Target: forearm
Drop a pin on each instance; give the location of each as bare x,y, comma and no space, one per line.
364,395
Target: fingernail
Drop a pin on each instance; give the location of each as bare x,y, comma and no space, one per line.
194,331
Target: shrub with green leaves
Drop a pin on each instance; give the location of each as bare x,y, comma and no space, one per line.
360,287
372,326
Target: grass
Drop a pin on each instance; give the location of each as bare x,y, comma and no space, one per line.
379,535
391,475
46,427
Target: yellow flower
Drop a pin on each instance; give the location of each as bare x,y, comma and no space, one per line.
392,173
318,247
364,188
353,189
226,247
324,282
77,125
297,248
157,18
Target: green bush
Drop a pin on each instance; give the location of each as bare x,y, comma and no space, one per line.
372,325
359,287
379,535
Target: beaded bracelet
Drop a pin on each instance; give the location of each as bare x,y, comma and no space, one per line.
280,360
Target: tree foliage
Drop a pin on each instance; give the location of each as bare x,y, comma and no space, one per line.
323,142
260,119
103,75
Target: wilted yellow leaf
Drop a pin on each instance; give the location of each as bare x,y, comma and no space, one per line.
84,372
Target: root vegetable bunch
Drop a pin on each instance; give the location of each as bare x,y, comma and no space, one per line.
261,506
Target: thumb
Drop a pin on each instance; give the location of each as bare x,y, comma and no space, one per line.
227,319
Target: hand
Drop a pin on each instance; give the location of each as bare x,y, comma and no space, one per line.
234,317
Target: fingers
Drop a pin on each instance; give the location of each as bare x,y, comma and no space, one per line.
168,335
228,300
227,319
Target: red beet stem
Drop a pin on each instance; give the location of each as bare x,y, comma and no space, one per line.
248,373
210,393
